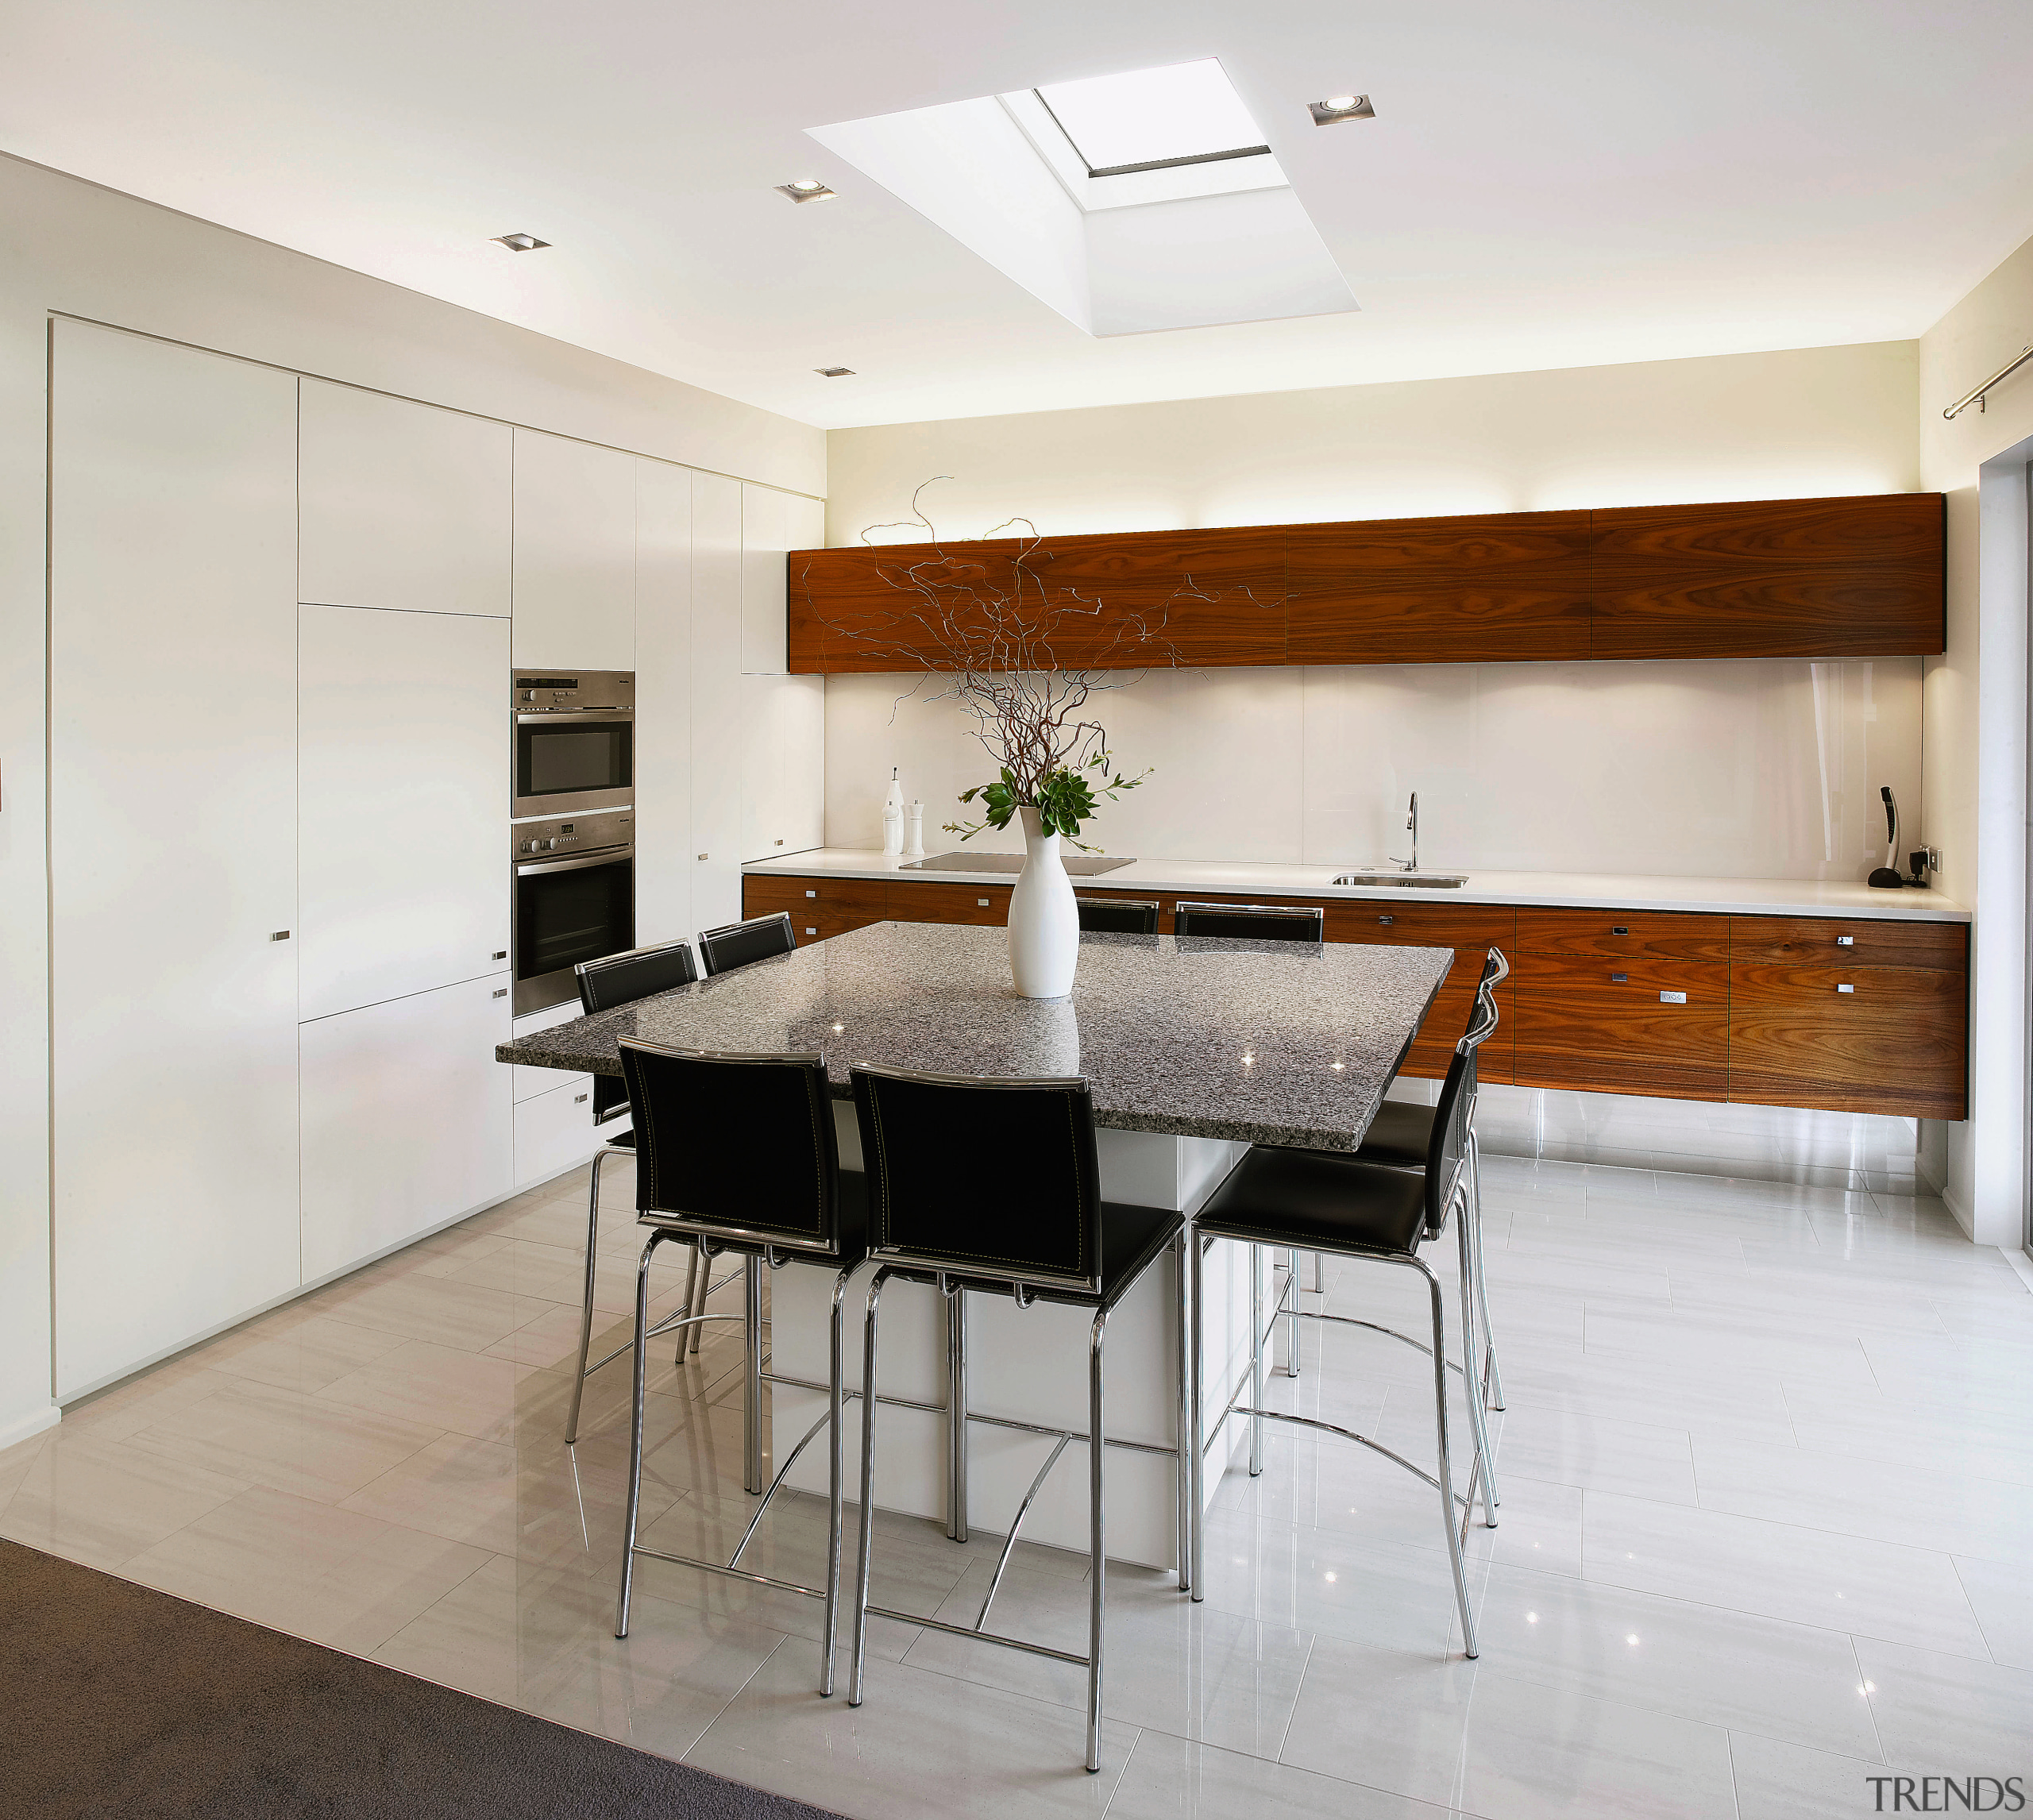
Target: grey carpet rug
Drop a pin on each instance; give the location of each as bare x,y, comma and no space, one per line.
116,1700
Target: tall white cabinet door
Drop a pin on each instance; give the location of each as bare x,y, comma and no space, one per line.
402,505
408,1120
402,789
172,845
719,704
783,772
663,703
575,555
773,524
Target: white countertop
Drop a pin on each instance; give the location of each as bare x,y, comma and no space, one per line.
1744,896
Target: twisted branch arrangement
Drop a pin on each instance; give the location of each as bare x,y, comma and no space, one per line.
1000,643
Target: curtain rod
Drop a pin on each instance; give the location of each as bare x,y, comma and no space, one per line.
1976,397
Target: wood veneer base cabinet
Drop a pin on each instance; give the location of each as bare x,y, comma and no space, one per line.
1668,1003
172,849
1860,576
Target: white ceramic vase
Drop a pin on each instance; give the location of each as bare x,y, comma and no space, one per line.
1044,925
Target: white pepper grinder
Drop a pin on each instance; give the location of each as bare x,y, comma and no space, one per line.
892,816
914,832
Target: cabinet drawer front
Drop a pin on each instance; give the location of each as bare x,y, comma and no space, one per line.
1896,1042
1423,925
764,896
933,903
1611,1026
1807,942
1634,935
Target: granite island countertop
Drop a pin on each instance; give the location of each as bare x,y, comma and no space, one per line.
1581,890
1278,1043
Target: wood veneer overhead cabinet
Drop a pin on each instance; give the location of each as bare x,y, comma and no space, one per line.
1851,577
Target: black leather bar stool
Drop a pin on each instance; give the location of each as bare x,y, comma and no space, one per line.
1401,1133
1260,923
1034,1227
1250,922
1325,1201
1118,915
737,1153
615,979
741,944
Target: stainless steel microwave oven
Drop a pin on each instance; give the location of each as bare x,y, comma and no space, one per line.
575,742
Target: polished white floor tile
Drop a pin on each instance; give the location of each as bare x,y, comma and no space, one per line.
300,1565
1776,1430
1778,1570
1459,1734
1946,1714
1168,1778
1724,1668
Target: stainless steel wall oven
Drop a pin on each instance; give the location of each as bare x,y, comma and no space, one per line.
575,742
575,901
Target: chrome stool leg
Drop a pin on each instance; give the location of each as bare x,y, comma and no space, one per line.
1493,1375
1471,1383
1097,1550
1256,1359
688,1337
1196,1496
753,1481
835,1514
859,1652
1443,1465
635,1433
1292,1322
1182,1473
956,1414
586,1309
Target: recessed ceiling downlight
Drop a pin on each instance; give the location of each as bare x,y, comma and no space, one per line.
1338,108
806,190
834,372
520,242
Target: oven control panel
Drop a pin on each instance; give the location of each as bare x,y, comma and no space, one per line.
582,691
566,837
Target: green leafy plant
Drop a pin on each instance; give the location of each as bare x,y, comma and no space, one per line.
1065,798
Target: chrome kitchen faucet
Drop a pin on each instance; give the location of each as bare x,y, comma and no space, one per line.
1411,822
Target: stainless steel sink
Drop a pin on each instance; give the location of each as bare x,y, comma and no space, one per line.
1406,880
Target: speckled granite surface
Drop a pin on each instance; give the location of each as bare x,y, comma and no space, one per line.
1278,1043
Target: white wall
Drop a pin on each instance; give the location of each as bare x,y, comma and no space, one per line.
1753,769
1975,696
69,248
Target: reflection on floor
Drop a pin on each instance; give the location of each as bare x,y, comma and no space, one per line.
1768,1505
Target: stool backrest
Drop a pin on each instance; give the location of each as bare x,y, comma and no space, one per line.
621,979
737,944
983,1178
1482,1018
1449,1144
736,1147
1251,921
1118,915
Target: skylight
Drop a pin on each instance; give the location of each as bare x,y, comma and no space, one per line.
1153,120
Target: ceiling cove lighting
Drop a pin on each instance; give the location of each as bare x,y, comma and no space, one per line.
1154,120
807,190
1338,108
520,242
835,373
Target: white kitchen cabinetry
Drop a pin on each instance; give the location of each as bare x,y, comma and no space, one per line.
575,555
720,705
531,1081
783,771
773,524
402,505
554,1131
406,1120
172,845
664,862
403,795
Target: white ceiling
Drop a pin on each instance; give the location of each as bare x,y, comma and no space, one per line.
1587,182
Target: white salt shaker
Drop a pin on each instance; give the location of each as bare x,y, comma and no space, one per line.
914,832
892,816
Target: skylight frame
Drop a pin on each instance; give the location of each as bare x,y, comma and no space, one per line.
1095,170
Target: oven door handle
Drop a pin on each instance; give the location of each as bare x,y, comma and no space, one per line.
606,856
557,716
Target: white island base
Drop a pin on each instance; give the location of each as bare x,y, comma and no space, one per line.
1027,1365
